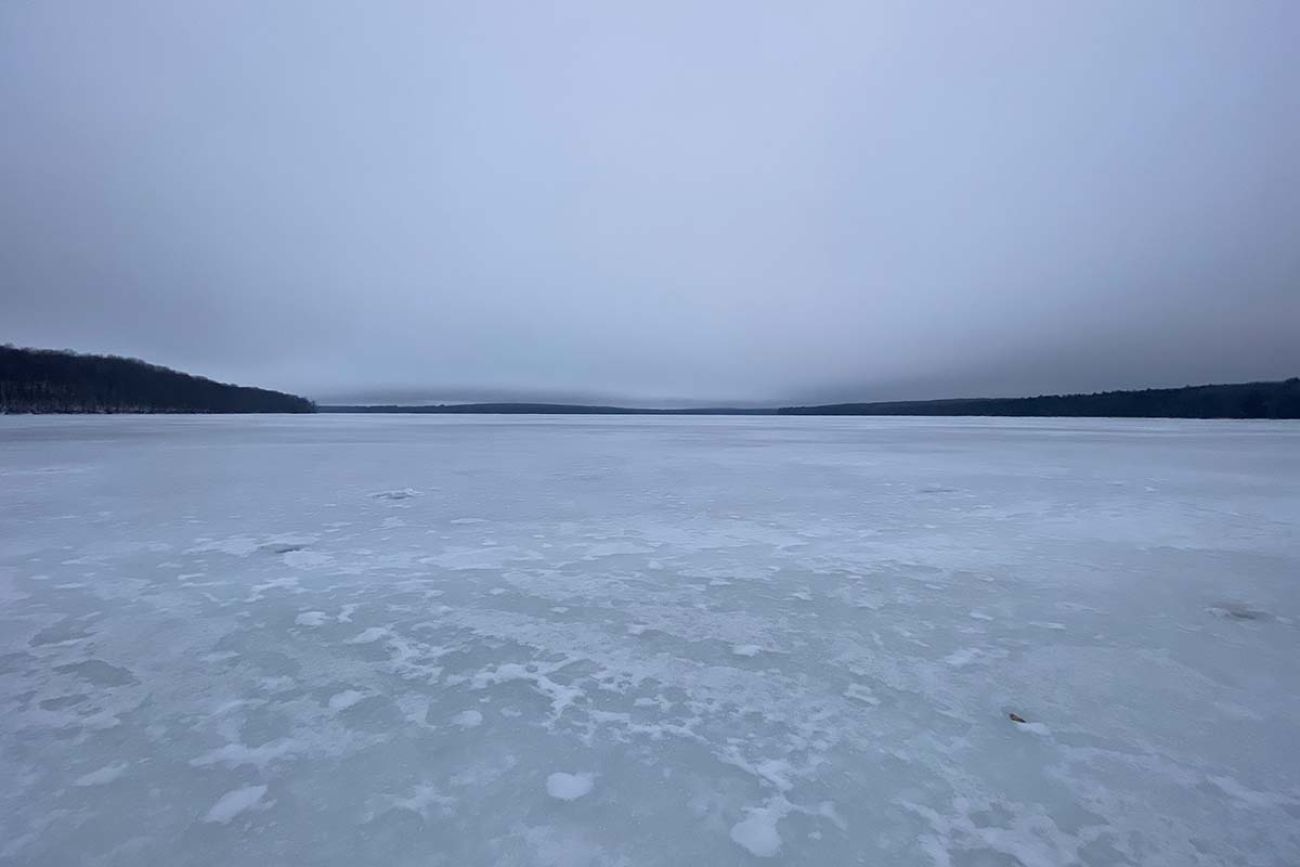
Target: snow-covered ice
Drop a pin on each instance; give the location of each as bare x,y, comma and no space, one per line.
399,640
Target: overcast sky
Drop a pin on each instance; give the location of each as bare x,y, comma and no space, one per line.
656,200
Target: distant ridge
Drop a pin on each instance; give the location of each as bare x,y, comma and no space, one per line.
538,409
1246,400
60,381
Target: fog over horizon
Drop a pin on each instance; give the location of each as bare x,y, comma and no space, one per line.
667,203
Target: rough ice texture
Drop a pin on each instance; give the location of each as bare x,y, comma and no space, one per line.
397,640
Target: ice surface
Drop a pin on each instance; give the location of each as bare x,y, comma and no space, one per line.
355,640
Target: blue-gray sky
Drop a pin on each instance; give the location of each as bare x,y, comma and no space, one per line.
694,201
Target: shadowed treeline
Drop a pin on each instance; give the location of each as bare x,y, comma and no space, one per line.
53,381
1247,400
1250,400
542,409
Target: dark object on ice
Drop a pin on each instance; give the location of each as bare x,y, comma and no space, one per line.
280,547
1017,718
403,494
1237,611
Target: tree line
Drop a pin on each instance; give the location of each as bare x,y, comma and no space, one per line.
60,381
1245,400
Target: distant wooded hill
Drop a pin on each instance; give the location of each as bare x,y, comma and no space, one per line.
52,381
537,409
1246,400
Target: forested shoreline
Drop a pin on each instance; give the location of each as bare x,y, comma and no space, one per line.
1242,400
61,381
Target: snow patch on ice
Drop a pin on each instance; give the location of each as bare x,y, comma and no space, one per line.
232,803
562,696
106,774
234,755
285,583
861,692
468,719
1250,796
757,832
963,657
569,787
345,699
236,546
423,799
1035,728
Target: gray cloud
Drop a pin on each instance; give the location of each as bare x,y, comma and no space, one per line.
724,201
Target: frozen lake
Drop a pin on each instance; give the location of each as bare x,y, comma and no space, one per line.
405,640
